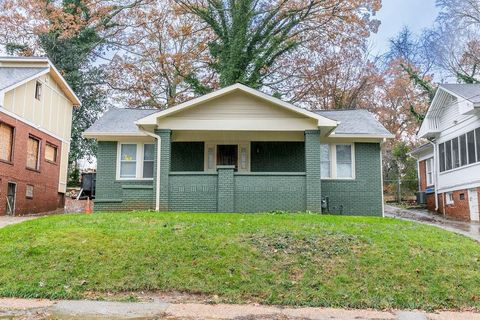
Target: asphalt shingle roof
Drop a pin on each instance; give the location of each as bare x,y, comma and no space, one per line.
120,121
356,121
351,121
12,75
467,91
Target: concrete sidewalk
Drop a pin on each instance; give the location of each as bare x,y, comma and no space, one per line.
46,309
468,229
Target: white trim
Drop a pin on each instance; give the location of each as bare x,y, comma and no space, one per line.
449,195
152,119
138,162
333,161
159,159
33,125
214,144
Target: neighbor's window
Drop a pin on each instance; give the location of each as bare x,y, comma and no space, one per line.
136,160
460,151
38,90
29,191
429,171
449,199
325,161
33,149
128,161
337,161
51,153
148,157
6,142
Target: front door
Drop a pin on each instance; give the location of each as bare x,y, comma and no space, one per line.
11,192
473,202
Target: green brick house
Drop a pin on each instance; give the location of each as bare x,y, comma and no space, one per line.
239,150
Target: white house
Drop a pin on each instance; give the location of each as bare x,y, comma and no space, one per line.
449,164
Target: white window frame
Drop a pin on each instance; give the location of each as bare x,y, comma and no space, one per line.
429,169
139,161
333,161
449,198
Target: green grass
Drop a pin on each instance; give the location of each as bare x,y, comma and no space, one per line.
290,259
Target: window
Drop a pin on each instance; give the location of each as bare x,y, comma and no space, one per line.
463,150
29,191
33,149
135,160
38,90
448,155
337,161
455,153
325,161
449,198
441,152
471,147
128,161
51,153
429,171
148,157
6,142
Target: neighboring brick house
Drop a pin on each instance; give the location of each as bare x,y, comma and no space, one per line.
449,164
239,150
35,123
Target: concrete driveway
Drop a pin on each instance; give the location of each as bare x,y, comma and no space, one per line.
468,229
8,220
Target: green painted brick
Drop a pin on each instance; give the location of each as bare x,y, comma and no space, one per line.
312,165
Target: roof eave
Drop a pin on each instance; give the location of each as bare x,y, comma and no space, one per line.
95,135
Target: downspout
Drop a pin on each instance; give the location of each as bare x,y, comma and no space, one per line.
159,145
435,176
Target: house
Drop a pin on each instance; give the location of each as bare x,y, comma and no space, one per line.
239,150
449,164
35,123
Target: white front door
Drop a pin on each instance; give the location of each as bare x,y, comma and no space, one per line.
473,201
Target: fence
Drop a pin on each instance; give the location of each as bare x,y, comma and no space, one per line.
400,190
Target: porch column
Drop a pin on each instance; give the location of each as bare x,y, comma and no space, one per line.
312,168
225,198
163,166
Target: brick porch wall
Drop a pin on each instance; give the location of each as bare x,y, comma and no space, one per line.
44,181
460,209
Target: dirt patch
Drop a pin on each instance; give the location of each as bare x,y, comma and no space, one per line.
150,296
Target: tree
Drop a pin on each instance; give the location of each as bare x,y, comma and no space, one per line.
252,36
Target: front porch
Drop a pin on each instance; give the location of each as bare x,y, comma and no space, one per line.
239,171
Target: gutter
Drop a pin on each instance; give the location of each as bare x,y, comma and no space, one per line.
159,146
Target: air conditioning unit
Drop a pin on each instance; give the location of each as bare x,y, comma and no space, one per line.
421,198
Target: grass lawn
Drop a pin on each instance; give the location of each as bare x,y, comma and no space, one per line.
291,259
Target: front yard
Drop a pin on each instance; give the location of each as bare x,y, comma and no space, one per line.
291,259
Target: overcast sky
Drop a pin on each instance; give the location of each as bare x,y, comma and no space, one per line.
415,14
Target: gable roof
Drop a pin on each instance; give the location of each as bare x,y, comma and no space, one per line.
152,119
9,76
357,122
469,92
29,68
118,122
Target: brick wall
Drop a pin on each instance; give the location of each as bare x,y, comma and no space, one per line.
116,195
362,196
460,209
44,181
193,192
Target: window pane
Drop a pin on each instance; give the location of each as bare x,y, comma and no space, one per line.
128,169
148,169
32,153
129,152
471,146
448,155
50,153
6,142
325,161
344,161
477,142
441,153
148,151
463,150
455,153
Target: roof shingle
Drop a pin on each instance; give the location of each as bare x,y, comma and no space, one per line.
12,75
